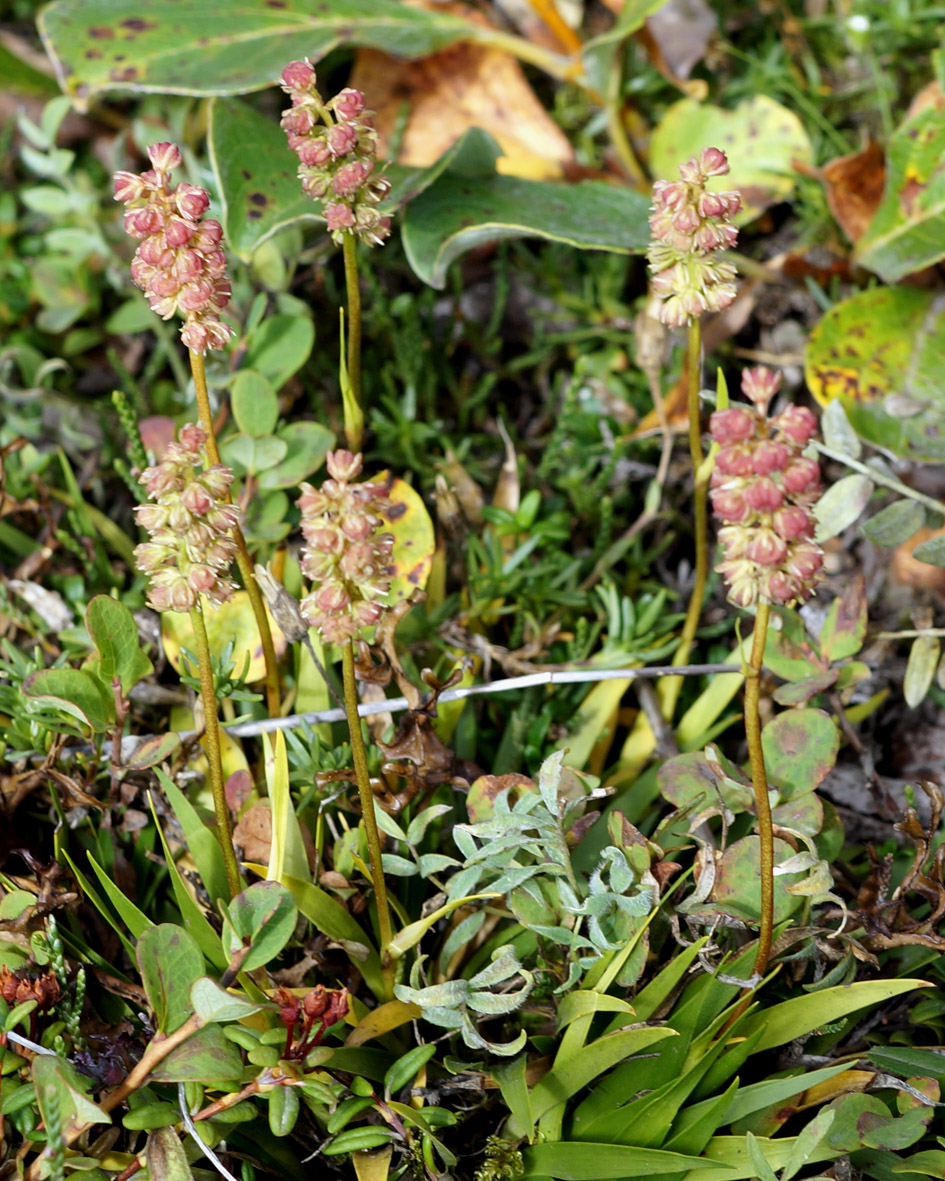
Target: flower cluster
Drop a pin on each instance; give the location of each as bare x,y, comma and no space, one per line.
345,555
179,263
190,525
763,489
337,150
689,225
319,1005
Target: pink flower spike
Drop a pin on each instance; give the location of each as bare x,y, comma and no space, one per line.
713,162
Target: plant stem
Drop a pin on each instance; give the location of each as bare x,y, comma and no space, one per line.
759,780
212,746
669,689
367,803
243,560
354,414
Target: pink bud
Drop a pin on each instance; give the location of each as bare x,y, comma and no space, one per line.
797,424
348,103
759,385
729,505
343,465
769,457
735,460
792,522
164,157
804,561
766,548
713,162
734,540
196,499
195,336
338,217
690,172
128,186
193,202
201,578
298,121
181,595
368,613
350,177
801,475
732,425
781,588
314,153
763,495
298,75
332,597
141,222
342,138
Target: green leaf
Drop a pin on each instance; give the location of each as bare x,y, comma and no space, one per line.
213,1003
169,961
201,841
157,748
932,551
186,48
907,232
307,444
57,1081
800,748
206,1057
134,919
880,353
287,855
256,176
279,347
254,403
357,1140
763,1170
468,206
262,916
283,1110
603,1162
331,919
253,455
406,1069
194,918
920,669
165,1157
577,1070
844,628
761,138
895,523
79,694
794,1018
806,1142
115,634
841,505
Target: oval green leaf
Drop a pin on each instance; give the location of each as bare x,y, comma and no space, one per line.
800,748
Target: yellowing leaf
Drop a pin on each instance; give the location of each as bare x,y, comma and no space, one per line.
233,620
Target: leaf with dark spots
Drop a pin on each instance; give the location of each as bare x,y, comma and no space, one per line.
880,353
204,54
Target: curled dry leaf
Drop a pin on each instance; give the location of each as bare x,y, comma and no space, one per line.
460,87
854,186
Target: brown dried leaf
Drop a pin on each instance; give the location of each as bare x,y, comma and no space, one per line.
854,186
463,86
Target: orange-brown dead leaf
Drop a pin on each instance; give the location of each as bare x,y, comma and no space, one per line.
909,571
854,186
463,86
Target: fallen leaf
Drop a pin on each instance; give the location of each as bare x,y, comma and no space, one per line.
676,37
854,186
909,571
463,86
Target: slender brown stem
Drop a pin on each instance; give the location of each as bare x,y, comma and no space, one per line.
212,747
367,799
759,780
354,414
243,560
670,689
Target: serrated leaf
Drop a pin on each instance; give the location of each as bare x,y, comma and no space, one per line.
920,669
841,505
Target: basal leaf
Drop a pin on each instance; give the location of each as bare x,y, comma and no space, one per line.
600,1162
188,47
880,352
205,1057
114,633
169,960
908,231
800,747
458,212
